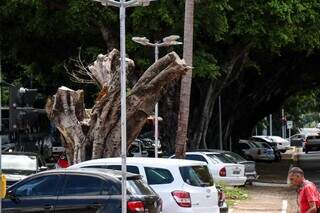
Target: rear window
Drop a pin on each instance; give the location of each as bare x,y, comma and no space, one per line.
158,176
132,169
196,175
138,187
220,157
233,156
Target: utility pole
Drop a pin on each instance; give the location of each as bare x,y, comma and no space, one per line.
270,126
283,124
220,125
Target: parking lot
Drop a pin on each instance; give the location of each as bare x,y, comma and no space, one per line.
268,200
274,196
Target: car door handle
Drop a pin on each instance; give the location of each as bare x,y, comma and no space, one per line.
48,206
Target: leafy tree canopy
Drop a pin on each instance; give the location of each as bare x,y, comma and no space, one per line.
40,36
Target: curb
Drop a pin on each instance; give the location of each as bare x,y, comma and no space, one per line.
270,184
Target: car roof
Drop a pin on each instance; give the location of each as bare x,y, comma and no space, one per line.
265,137
147,161
210,150
94,171
203,152
20,153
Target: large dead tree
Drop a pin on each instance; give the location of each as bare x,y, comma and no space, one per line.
96,132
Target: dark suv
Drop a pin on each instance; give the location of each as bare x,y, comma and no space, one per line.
80,190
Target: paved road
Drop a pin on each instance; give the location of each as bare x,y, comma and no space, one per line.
276,172
267,200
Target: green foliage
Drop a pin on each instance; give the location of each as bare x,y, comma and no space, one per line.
41,36
206,65
303,108
234,194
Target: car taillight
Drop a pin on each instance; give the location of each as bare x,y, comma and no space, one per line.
223,172
182,198
136,206
259,152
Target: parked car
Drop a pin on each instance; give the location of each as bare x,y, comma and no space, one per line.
18,165
6,144
222,169
80,190
250,166
184,186
297,140
137,149
303,139
312,143
282,144
271,145
253,151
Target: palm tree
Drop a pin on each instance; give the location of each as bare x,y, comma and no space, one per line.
186,80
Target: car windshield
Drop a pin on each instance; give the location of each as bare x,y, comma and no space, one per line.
234,157
19,162
263,145
220,157
196,175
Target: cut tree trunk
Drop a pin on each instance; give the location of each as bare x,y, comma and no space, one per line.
99,130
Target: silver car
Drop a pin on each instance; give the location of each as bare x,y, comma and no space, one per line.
256,151
250,166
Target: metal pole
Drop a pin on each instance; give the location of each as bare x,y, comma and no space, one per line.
289,133
282,119
270,120
156,112
123,105
220,124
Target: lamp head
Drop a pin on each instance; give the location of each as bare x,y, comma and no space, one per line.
141,40
172,40
143,2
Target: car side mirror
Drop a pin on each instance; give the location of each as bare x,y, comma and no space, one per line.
12,195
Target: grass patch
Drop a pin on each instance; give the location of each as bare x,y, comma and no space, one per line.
234,194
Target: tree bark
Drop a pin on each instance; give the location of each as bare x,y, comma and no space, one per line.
100,129
185,90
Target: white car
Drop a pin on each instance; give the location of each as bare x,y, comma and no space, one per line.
184,186
222,169
282,144
257,151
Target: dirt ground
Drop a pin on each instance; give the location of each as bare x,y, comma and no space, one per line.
274,199
267,200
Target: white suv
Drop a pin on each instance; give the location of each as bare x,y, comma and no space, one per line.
185,186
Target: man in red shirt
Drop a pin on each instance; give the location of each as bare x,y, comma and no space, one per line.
308,195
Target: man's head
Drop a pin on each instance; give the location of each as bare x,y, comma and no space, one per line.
296,176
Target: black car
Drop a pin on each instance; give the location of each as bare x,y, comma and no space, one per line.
80,190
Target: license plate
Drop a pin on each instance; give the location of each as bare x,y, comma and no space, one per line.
236,172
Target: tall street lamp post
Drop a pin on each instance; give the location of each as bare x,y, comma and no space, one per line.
166,42
122,5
